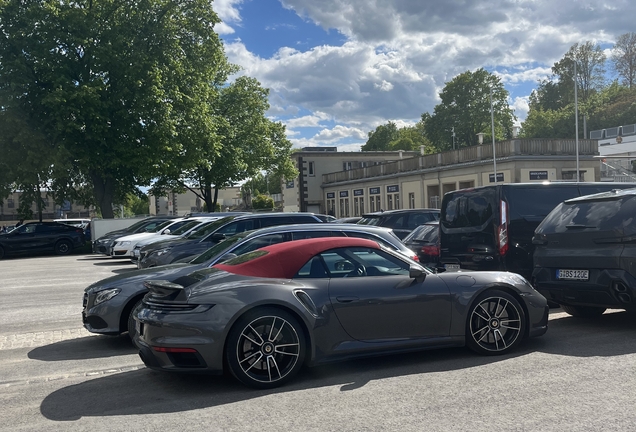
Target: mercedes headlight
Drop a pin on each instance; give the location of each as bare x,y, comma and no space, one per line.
124,243
106,295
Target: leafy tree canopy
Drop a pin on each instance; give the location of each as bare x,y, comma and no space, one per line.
465,109
108,87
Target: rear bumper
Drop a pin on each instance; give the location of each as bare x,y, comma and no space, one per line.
611,288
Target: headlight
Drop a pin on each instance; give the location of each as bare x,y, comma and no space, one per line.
124,243
105,295
162,251
103,241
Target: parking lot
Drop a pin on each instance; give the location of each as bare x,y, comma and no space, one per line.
54,375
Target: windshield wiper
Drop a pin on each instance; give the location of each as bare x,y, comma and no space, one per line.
578,226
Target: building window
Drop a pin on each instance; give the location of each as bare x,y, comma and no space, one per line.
311,169
344,207
358,206
331,207
10,203
411,200
396,198
378,204
389,202
346,166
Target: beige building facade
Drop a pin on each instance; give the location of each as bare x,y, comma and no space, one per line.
187,202
305,193
420,181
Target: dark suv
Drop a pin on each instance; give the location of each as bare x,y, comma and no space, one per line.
585,256
402,222
169,251
491,227
37,237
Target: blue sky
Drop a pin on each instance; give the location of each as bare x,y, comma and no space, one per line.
336,69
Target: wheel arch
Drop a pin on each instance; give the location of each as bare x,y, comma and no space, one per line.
123,318
508,290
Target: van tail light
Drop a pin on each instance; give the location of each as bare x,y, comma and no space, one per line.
430,250
502,232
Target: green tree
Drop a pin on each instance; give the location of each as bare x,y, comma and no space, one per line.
380,139
262,202
465,109
110,84
624,58
242,143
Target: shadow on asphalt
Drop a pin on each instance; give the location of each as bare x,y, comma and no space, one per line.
151,392
115,262
89,347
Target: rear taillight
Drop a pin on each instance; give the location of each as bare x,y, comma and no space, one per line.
430,250
502,232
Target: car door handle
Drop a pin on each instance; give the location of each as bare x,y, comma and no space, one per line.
343,299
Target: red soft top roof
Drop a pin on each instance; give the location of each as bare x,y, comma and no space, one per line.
285,259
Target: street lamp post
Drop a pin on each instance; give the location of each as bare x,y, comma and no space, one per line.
576,123
492,121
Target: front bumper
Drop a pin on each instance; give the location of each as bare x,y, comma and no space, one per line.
105,318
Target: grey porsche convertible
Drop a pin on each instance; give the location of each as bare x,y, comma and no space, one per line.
265,314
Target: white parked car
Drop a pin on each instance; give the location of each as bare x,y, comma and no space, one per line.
173,228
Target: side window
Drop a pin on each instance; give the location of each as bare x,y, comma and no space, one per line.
370,237
303,219
237,227
313,269
259,242
361,262
417,219
275,221
29,229
396,221
468,210
602,215
45,229
301,235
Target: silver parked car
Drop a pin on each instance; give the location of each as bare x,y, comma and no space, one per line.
108,305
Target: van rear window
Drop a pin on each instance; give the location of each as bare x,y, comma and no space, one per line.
601,215
472,209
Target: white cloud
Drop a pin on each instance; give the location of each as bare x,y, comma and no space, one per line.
399,54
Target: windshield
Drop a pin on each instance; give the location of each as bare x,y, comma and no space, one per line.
217,249
185,227
427,233
206,229
137,225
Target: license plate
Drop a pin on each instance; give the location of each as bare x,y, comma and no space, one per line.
562,274
452,266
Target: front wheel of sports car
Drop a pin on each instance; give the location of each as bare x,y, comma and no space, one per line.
496,323
265,348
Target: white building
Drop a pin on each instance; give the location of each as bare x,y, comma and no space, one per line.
188,202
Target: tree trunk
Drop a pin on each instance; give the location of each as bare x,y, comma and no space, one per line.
39,201
216,197
104,189
207,195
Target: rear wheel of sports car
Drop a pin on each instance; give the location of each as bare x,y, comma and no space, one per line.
265,348
496,323
63,247
583,311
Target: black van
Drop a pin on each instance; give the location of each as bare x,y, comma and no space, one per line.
491,227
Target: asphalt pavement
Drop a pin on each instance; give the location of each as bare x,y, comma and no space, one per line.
55,376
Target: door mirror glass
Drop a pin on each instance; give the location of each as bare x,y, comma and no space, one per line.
416,272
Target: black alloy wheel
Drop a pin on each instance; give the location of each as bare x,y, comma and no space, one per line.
63,247
583,311
265,348
496,323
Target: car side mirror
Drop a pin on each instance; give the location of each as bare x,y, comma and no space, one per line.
217,237
166,231
417,273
